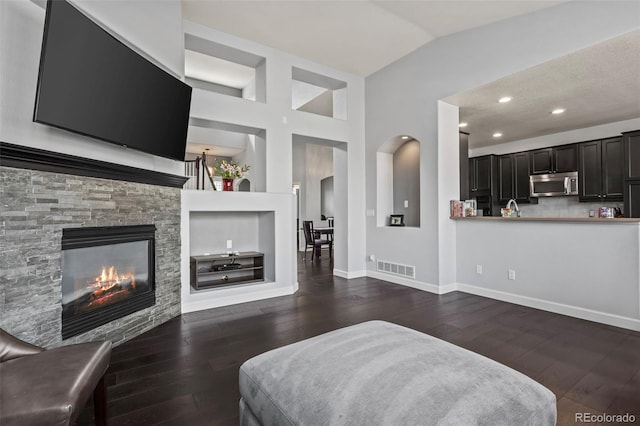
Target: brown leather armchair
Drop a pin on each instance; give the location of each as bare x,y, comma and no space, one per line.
51,387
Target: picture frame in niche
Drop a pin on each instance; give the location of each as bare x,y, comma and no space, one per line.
396,220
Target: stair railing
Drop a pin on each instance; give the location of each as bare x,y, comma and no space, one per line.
199,173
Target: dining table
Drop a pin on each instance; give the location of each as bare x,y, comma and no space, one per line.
326,230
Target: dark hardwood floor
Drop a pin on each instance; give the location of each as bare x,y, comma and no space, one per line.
185,372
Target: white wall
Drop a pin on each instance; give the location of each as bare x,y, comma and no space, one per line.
384,184
281,122
448,189
154,29
348,249
402,99
589,270
253,156
210,231
216,137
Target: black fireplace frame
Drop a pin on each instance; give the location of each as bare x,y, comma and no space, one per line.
74,238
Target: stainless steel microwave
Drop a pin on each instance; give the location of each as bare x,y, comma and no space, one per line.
554,185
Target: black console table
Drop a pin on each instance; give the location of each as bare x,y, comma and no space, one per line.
218,270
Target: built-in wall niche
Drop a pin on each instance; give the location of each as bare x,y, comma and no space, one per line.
318,94
212,232
216,141
398,181
326,197
223,69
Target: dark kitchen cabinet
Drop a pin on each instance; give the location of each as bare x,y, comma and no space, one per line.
590,171
482,183
558,159
631,141
480,175
632,198
600,170
513,178
541,161
464,165
612,169
631,174
521,178
505,178
565,158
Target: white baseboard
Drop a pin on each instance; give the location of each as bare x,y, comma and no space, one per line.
431,288
349,275
558,308
234,299
545,305
448,288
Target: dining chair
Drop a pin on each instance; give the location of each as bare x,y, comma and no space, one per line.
315,243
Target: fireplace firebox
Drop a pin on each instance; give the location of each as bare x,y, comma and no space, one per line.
107,273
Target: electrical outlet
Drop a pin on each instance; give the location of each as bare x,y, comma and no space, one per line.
406,204
512,274
229,244
371,213
479,269
372,258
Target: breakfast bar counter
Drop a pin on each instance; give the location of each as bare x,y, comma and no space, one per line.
584,267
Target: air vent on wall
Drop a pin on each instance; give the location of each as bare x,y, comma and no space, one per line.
396,269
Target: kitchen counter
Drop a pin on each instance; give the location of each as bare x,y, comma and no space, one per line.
550,219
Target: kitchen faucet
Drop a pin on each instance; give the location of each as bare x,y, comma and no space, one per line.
515,205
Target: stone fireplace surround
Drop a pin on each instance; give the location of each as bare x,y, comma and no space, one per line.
35,205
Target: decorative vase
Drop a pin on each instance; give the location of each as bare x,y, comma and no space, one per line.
227,184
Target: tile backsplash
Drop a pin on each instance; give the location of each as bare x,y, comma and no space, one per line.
563,207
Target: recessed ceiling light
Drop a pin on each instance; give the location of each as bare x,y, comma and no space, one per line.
504,99
558,111
463,125
497,135
404,138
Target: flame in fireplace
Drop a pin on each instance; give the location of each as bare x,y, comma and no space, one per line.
109,278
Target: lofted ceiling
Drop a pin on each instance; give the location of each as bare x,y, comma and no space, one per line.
596,85
359,37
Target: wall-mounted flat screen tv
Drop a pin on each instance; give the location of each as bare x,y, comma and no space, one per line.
92,84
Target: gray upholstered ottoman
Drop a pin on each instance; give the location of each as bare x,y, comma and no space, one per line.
377,373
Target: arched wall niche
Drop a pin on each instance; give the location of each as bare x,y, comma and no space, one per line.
398,181
244,185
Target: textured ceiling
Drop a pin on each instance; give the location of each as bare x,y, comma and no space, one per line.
358,37
596,85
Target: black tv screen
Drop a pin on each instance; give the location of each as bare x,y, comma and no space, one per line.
92,84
